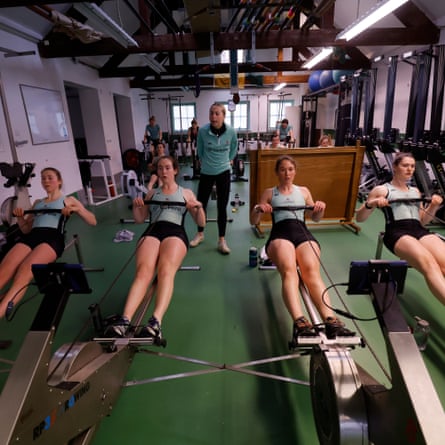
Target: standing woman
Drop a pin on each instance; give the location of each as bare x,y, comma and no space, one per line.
291,245
217,147
405,234
161,248
43,241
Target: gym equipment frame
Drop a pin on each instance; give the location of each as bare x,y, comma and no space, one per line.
332,175
350,406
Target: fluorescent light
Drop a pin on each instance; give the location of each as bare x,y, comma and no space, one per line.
407,55
105,23
378,59
325,52
19,30
380,10
153,64
280,86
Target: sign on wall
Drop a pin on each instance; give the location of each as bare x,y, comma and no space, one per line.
44,111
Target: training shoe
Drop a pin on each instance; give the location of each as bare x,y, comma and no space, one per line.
118,328
151,330
197,240
303,328
336,328
223,247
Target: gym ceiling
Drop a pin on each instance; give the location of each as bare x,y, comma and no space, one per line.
175,41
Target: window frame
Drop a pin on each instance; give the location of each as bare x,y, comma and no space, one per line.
186,119
280,116
231,116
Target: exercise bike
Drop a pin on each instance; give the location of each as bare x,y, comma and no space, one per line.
18,176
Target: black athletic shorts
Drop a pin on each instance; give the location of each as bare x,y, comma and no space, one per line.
395,230
292,230
40,235
164,229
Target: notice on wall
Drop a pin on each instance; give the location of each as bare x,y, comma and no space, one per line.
45,115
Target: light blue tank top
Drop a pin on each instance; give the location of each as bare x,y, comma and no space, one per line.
401,210
173,214
48,220
295,199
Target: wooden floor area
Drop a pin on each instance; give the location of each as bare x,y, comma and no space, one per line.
224,314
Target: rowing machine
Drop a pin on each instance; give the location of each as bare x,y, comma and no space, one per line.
350,406
60,399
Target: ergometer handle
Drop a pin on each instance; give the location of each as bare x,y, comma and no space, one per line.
292,208
165,204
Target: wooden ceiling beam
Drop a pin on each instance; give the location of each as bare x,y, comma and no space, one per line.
63,47
224,68
210,82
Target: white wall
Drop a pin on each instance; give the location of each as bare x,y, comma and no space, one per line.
52,74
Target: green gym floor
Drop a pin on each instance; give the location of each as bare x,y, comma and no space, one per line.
226,313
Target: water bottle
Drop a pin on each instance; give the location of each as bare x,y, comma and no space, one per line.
253,257
237,200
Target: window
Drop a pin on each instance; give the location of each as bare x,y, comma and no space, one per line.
225,56
239,119
182,115
276,112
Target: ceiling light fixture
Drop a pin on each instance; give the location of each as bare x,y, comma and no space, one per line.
380,10
105,23
280,86
153,64
408,55
325,52
19,31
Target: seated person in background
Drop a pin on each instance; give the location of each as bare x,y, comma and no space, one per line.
325,141
161,248
405,234
159,152
192,133
291,245
285,132
43,240
275,142
153,132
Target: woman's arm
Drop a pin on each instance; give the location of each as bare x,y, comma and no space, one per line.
140,209
24,221
319,207
262,207
195,208
427,214
376,198
291,135
73,205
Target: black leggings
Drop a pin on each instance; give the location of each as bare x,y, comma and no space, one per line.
222,182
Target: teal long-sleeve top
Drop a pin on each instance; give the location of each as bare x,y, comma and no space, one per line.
216,152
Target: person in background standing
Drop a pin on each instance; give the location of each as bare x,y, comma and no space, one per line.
217,146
